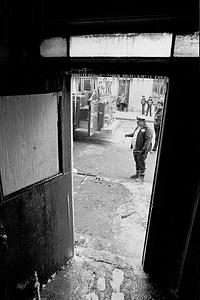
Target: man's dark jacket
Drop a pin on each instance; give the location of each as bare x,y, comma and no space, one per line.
143,140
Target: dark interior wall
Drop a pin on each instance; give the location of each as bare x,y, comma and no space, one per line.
119,16
31,78
177,178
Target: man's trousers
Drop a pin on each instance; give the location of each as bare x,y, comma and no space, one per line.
157,132
149,108
140,163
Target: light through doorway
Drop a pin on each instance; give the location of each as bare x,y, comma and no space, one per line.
111,208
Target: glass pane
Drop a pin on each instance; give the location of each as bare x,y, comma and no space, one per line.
54,47
121,45
187,45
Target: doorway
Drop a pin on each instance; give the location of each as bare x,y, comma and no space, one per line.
110,208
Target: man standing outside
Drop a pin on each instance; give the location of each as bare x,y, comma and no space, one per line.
141,144
157,123
143,102
122,102
149,106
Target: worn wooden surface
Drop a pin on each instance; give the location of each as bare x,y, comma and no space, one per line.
38,224
29,140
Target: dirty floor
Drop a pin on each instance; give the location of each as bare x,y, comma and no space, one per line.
110,219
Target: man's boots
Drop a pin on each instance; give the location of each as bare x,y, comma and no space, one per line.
136,175
140,178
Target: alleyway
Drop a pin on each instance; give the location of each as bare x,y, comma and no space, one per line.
110,212
108,204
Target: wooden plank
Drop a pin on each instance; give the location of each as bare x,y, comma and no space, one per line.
29,139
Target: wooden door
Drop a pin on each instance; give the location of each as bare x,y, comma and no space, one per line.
171,251
36,214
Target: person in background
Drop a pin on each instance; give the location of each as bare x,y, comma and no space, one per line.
121,102
117,103
143,102
126,104
141,144
149,106
157,123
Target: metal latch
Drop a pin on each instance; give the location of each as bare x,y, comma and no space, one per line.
3,239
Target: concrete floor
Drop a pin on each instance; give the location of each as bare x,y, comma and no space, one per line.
110,215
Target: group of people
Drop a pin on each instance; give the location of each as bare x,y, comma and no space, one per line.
147,105
141,142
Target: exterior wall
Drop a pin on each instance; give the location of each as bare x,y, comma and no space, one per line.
115,86
139,87
159,90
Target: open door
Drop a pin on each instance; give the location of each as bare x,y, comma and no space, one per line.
171,252
36,232
151,206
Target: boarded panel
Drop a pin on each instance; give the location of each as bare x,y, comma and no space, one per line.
121,45
29,140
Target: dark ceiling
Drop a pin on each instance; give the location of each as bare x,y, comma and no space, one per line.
62,9
45,18
118,16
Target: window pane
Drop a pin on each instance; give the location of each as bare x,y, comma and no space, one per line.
54,47
121,45
187,45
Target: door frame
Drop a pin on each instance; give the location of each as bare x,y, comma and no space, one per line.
171,68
